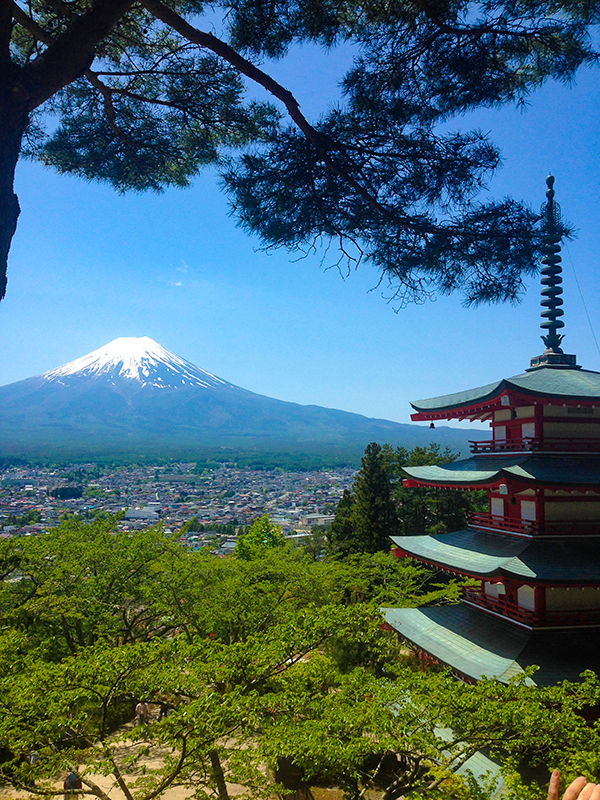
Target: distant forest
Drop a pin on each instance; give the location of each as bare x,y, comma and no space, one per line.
206,459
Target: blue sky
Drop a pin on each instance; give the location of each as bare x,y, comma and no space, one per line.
88,265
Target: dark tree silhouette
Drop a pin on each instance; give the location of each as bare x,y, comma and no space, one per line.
366,518
141,97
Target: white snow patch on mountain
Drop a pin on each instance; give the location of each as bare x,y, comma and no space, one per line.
138,359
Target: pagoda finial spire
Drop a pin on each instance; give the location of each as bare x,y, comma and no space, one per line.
551,302
551,272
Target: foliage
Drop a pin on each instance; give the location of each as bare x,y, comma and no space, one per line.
27,518
80,583
411,734
66,711
263,535
221,529
374,517
276,661
315,545
94,492
367,517
67,492
381,579
341,531
137,96
379,506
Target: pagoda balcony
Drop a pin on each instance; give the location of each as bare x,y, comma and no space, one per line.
525,527
534,444
557,618
501,606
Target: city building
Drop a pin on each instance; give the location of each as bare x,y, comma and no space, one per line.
534,556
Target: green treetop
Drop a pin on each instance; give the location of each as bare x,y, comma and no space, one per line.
261,664
262,536
367,517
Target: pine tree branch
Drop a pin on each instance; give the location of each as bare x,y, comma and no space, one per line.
30,24
94,79
69,55
247,68
5,30
109,109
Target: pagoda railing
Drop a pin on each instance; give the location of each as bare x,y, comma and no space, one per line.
482,520
499,605
550,618
529,444
526,527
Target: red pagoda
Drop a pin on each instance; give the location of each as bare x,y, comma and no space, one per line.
535,553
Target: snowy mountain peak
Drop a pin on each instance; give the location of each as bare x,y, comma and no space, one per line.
139,359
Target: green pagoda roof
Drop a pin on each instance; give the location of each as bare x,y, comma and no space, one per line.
572,384
476,644
489,554
562,470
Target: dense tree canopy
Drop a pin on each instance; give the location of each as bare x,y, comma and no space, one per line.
261,537
366,517
271,673
141,95
378,506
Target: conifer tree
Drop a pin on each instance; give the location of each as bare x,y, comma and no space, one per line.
374,515
143,95
367,517
340,537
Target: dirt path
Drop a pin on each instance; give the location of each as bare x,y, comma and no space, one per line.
153,761
107,782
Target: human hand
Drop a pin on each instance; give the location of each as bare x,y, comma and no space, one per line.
580,789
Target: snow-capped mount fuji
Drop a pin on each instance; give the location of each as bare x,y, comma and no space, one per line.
133,396
137,359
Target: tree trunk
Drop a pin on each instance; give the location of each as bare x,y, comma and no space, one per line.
14,116
217,771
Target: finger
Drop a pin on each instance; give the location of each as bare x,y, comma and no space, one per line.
596,793
553,786
587,791
575,788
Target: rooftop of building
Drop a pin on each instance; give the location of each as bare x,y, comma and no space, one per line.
489,471
573,385
477,645
485,554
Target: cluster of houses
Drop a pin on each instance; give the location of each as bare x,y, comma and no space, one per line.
33,499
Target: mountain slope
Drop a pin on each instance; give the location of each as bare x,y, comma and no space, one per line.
135,394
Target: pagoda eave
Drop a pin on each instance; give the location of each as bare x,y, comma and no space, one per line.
470,414
478,645
582,388
515,472
485,556
462,486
